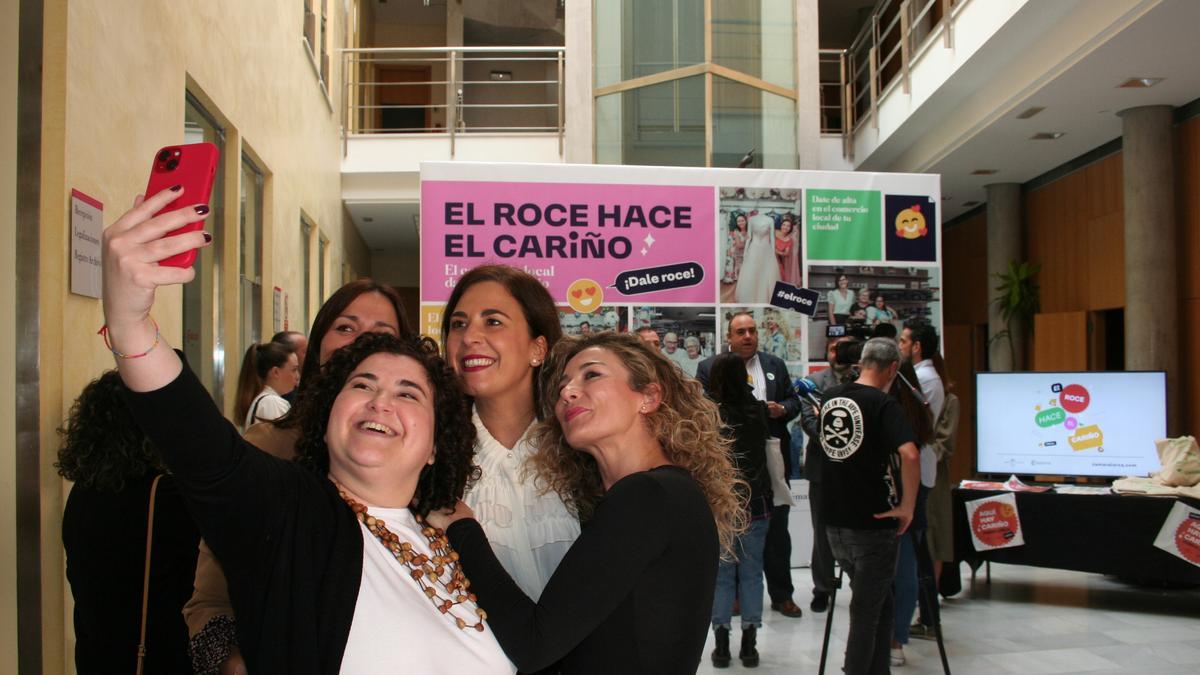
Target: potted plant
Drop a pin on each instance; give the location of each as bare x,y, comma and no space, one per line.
1018,302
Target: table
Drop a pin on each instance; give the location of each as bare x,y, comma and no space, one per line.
1107,534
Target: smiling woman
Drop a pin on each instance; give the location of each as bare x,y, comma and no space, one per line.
636,448
325,562
499,324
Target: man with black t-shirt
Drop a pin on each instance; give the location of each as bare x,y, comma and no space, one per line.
870,489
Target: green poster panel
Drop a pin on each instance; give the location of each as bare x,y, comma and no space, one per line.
844,225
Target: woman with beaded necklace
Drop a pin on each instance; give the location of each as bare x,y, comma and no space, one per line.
329,564
498,326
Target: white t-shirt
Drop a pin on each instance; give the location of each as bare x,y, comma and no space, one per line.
935,395
529,532
265,407
396,629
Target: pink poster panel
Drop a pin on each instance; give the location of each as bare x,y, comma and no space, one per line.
588,243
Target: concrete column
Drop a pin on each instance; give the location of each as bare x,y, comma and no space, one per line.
808,86
1151,245
580,110
1005,244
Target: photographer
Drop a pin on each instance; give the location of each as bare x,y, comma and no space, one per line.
870,489
839,372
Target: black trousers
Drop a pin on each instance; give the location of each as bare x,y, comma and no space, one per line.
777,556
822,556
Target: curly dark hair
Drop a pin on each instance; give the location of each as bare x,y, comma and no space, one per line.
440,484
102,445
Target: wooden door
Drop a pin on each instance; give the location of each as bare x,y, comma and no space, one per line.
403,86
1060,342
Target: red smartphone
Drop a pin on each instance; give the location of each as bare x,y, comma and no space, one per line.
193,166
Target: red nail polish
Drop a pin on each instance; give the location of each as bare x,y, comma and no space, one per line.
201,209
176,188
207,238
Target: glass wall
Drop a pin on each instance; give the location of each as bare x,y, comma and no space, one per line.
203,343
695,82
250,273
636,39
662,124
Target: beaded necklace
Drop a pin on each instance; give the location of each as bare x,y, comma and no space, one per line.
429,573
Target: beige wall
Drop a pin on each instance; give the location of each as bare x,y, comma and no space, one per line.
8,236
116,76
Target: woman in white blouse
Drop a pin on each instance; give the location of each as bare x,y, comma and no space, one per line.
269,372
498,326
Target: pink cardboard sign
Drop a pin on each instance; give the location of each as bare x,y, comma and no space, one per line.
638,243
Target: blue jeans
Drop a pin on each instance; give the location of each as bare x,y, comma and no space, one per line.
869,558
906,584
746,572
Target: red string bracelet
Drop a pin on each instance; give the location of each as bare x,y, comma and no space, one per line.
103,332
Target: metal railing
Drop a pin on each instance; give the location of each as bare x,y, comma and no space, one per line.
453,91
837,115
881,57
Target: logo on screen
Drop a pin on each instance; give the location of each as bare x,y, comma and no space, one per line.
1074,398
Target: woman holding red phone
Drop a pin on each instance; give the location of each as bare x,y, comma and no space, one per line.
358,307
329,566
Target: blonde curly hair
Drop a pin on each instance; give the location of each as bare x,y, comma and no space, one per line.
686,424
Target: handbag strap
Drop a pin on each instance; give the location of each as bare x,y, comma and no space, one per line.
141,650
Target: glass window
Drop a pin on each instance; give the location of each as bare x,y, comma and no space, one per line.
310,26
325,40
203,328
756,38
635,39
306,233
250,272
662,124
746,118
322,267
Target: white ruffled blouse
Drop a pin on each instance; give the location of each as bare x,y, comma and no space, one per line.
529,532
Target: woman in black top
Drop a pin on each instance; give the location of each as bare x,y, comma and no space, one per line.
113,466
745,420
636,450
328,564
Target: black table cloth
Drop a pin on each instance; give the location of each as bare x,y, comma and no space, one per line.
1107,534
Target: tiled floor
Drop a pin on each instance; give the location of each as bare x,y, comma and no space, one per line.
1029,620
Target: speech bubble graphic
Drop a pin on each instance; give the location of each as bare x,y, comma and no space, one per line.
665,277
1086,437
1050,417
1075,398
794,298
1070,424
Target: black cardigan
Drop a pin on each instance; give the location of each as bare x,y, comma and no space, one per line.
104,534
290,547
633,595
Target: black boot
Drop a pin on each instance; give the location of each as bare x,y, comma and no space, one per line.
721,656
749,652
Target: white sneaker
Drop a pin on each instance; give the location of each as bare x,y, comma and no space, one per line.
897,656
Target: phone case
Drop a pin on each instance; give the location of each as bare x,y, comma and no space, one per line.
193,166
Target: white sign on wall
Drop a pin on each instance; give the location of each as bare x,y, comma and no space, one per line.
87,222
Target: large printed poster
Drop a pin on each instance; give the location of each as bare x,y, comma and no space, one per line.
680,250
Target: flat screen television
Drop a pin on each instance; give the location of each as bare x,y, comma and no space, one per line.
1069,424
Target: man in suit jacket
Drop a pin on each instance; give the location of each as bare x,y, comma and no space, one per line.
772,384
